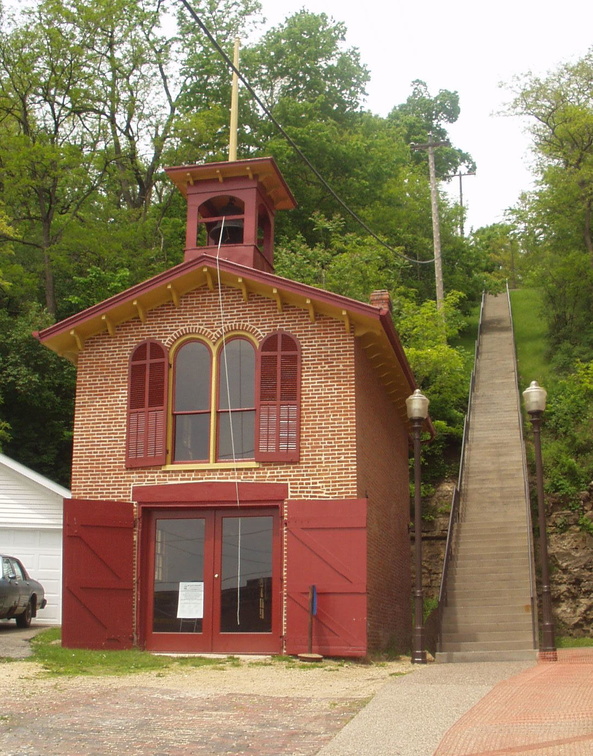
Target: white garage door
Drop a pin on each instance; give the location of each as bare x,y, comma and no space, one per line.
41,553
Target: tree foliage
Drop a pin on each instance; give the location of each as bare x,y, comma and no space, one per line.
555,220
95,99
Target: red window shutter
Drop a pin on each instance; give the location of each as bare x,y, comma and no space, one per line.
278,399
147,406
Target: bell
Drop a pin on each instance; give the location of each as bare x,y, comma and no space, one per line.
229,231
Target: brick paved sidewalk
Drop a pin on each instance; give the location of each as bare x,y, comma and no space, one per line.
168,722
545,711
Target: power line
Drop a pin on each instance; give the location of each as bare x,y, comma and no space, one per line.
291,141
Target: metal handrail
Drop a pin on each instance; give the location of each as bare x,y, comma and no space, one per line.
456,498
532,583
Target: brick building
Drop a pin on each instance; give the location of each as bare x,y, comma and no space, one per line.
238,438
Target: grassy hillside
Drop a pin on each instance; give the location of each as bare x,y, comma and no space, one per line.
530,337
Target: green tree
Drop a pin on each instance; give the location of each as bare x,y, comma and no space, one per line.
37,392
303,60
422,115
50,157
555,220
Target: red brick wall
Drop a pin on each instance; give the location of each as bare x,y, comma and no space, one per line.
382,477
327,468
333,463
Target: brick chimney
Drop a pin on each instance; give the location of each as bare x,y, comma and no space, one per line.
381,299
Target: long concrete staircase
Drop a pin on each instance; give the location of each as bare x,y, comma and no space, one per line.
489,612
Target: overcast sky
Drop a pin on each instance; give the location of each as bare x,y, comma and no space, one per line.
469,47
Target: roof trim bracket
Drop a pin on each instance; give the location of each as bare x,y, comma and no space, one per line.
346,319
77,339
140,310
109,324
278,298
209,279
174,294
243,287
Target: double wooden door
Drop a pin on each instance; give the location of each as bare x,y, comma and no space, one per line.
212,581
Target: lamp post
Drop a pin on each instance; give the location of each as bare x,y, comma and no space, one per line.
535,404
417,408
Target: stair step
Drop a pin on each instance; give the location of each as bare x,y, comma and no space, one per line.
524,636
499,550
485,529
489,562
488,595
444,657
479,624
493,645
489,612
504,574
495,578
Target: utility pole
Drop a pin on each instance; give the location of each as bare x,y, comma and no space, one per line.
234,125
460,176
436,229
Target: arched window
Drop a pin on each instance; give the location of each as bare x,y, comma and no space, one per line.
192,410
236,400
278,399
221,220
147,399
214,401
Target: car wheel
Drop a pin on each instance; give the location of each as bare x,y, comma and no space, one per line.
24,619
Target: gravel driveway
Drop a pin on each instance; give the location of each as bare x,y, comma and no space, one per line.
261,708
14,641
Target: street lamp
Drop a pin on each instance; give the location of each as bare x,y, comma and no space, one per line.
535,404
417,408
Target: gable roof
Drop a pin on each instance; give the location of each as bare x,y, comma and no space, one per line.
28,499
371,324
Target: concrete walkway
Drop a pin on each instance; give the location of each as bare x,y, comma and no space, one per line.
410,715
479,709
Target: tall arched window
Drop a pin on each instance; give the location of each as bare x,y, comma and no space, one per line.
147,399
236,400
192,409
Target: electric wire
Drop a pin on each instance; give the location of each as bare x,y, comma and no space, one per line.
230,414
291,141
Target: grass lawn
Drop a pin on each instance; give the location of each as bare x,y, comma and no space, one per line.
467,339
48,651
566,642
530,337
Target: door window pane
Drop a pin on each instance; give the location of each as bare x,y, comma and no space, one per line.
178,568
246,575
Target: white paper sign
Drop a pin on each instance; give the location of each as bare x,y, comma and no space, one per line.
191,601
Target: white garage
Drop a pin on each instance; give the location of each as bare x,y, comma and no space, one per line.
31,529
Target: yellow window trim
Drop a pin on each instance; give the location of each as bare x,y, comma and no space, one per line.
215,349
242,464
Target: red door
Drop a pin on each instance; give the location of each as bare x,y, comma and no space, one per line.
212,581
98,570
327,548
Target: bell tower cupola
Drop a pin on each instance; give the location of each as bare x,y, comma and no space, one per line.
231,208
